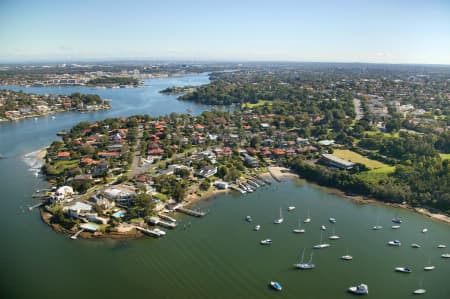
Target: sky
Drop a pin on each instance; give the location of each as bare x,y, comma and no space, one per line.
412,31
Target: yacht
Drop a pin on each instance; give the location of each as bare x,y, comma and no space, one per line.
323,227
445,255
414,245
361,289
332,220
347,257
279,220
419,291
395,226
321,245
159,232
266,242
308,219
291,208
334,236
397,220
257,227
276,285
429,268
248,218
403,269
394,243
424,230
305,266
298,230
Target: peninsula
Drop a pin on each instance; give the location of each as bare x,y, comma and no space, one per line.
19,105
115,177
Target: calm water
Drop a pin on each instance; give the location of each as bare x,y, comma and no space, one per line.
218,256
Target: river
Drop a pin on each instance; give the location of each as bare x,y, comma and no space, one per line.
218,256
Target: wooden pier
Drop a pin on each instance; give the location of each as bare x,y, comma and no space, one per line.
75,236
191,212
158,221
36,206
263,180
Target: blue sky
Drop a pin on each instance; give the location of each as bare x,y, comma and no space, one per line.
342,31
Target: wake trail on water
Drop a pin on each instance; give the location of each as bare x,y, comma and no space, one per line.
34,162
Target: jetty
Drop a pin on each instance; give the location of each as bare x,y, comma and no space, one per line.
191,212
274,177
167,217
158,221
263,180
36,206
238,189
75,236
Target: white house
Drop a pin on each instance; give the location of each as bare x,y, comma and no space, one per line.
63,193
78,209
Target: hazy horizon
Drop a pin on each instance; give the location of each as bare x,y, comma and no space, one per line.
350,31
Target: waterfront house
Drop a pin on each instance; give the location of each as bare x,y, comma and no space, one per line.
122,194
334,161
78,209
207,171
63,193
63,156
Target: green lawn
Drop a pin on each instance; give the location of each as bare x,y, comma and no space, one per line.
357,158
371,133
445,156
257,104
374,176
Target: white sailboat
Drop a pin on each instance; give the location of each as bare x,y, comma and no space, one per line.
347,257
279,220
429,267
421,290
334,236
321,245
308,219
299,230
377,226
305,266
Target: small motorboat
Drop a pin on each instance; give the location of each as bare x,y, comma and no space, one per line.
445,255
266,242
429,268
361,289
276,285
377,227
414,245
323,227
424,230
347,257
291,208
419,291
442,246
248,218
332,220
397,220
403,270
257,227
394,243
395,226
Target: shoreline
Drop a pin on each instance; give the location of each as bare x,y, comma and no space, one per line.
274,173
368,200
52,113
